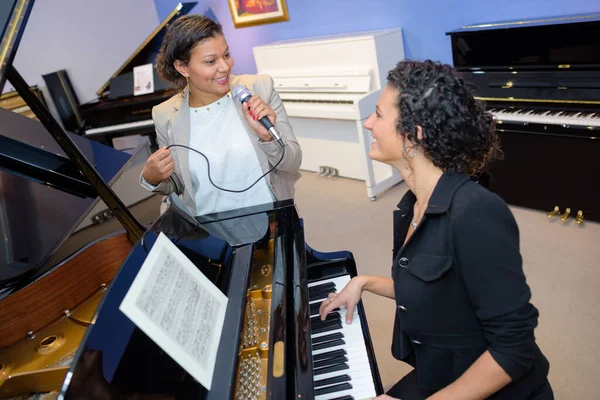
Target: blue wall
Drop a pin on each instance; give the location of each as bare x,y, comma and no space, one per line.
424,22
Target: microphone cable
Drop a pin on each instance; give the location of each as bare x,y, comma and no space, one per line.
208,168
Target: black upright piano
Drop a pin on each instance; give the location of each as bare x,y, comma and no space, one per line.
541,81
61,328
117,111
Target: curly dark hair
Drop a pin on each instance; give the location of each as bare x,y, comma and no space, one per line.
458,134
182,35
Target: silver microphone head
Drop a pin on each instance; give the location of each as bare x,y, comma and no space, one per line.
241,93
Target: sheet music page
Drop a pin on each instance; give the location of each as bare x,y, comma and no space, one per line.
143,79
179,308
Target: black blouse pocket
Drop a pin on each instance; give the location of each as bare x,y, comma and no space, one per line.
428,267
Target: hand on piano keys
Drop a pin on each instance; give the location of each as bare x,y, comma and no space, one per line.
341,367
346,299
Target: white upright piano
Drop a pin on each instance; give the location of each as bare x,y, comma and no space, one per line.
330,86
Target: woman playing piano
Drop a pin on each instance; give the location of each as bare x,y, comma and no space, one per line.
205,117
463,314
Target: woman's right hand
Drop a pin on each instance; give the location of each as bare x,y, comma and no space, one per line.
348,298
158,167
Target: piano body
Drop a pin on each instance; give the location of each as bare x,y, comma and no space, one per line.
59,294
117,111
329,86
273,345
541,81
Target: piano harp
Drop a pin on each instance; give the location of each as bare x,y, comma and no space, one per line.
117,112
540,80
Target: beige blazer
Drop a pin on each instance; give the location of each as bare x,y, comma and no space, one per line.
172,124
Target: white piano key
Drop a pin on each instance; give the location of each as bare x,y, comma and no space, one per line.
119,127
548,117
358,360
357,393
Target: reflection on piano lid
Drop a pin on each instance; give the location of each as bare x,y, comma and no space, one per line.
271,346
118,112
541,81
38,210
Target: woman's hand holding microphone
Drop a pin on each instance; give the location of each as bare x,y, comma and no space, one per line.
254,110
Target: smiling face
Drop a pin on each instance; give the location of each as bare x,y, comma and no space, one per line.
208,70
388,143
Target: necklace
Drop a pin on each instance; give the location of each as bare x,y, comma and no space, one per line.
414,224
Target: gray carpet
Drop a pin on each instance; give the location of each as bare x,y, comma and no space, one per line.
560,261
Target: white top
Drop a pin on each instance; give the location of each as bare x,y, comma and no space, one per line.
217,132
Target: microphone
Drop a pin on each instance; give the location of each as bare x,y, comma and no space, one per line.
243,95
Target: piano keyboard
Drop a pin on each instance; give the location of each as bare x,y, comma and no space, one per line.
119,127
552,117
341,367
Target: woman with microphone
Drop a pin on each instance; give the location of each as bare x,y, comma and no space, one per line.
204,117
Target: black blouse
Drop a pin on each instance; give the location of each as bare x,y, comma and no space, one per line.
460,289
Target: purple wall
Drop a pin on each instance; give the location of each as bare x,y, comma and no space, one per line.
424,22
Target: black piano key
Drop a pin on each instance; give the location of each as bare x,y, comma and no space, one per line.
329,354
314,308
329,362
333,368
327,328
327,338
322,324
332,389
326,345
320,295
329,317
331,381
321,287
344,398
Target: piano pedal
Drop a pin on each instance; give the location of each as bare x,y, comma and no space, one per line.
553,212
579,217
327,172
565,216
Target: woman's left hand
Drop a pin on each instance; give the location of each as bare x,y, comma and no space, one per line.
254,110
385,397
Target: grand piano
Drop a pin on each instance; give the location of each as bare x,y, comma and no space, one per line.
117,111
273,345
541,81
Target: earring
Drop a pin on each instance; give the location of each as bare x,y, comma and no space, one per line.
406,155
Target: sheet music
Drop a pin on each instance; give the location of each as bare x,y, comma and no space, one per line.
143,79
182,311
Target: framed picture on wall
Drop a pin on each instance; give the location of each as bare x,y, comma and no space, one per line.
257,12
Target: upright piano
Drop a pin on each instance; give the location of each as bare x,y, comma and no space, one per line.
60,324
328,101
541,81
117,111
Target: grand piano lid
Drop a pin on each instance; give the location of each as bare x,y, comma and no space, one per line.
526,23
146,53
36,217
13,17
